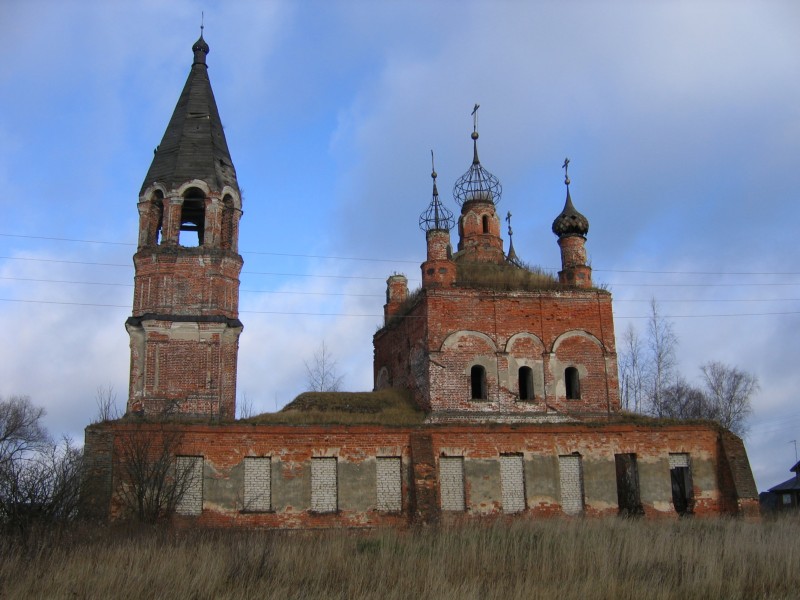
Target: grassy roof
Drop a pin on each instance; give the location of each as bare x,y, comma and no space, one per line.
504,277
384,407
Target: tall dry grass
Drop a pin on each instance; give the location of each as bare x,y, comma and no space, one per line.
562,559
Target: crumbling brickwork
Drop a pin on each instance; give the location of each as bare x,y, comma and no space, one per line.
473,469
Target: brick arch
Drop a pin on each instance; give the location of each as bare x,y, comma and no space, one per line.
194,183
523,335
577,333
453,337
229,191
148,194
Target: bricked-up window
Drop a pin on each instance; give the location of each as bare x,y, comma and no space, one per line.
477,377
193,218
389,484
512,480
257,483
572,381
571,478
189,481
681,478
227,223
451,482
324,488
628,498
525,383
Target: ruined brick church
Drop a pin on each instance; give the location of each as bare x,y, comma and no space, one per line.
512,374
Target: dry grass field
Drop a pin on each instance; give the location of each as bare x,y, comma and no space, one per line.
563,559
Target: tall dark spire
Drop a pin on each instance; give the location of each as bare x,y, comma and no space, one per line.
194,145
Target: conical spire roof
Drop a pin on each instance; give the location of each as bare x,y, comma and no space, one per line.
194,146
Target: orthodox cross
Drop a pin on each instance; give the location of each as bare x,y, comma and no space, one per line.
508,219
475,117
565,166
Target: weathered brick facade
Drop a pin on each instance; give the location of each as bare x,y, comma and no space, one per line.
542,348
321,476
184,331
516,372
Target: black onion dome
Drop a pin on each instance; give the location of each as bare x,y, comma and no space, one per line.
200,50
437,217
570,221
477,183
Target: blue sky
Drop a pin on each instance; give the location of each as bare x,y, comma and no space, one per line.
681,119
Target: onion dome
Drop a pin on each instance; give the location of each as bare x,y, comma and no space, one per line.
200,50
477,183
437,216
570,221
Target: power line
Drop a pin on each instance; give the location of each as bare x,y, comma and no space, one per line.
391,260
28,301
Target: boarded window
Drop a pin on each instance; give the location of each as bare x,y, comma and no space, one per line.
628,498
257,483
324,485
512,480
571,478
525,383
389,484
477,377
189,485
451,482
681,478
572,381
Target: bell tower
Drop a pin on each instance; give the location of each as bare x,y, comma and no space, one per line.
184,329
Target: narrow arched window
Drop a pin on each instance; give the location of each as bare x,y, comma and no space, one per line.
572,381
193,217
485,224
478,382
525,383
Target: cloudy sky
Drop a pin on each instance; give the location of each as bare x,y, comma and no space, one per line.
681,119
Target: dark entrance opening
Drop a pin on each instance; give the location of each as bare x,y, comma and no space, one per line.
630,503
682,493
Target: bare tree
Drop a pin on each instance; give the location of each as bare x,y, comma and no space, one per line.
632,366
684,401
39,479
245,406
662,344
152,483
729,392
21,431
106,400
322,373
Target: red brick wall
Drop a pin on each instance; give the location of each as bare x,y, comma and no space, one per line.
291,448
562,328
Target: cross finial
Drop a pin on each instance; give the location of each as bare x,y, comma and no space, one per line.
475,117
508,219
565,166
202,22
433,168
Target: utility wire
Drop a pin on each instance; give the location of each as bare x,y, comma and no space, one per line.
389,260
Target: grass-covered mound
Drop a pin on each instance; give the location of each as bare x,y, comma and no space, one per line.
384,407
